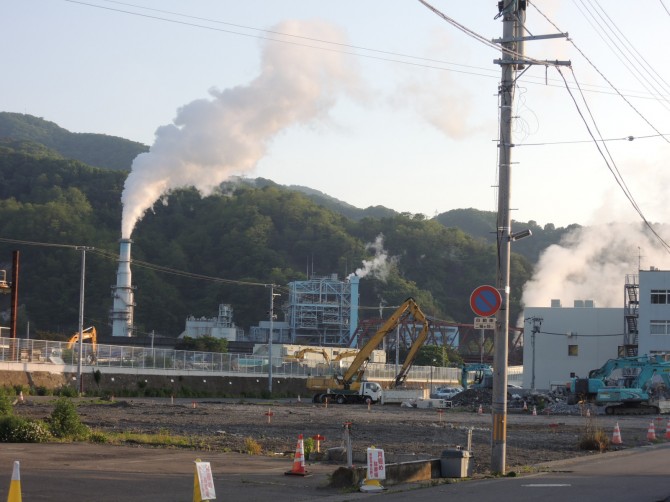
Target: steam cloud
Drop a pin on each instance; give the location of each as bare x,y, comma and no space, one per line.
213,139
380,265
592,263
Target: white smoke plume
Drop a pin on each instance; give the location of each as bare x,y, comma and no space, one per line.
592,263
380,265
213,139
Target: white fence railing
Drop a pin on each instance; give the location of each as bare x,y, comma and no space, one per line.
22,350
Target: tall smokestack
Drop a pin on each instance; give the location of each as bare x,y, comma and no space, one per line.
122,311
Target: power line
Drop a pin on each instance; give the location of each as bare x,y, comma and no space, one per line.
578,334
615,45
415,61
612,167
572,142
612,86
143,264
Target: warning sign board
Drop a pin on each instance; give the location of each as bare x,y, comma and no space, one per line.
376,464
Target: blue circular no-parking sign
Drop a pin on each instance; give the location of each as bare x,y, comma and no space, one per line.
485,301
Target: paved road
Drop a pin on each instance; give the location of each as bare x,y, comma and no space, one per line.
78,472
639,475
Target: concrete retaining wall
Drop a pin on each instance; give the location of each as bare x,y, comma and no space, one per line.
403,472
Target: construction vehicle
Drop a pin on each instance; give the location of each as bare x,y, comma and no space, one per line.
350,387
635,389
87,334
300,354
481,378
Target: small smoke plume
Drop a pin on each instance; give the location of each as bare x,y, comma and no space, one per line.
592,263
212,139
380,265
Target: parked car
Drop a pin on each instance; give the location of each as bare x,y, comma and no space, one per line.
446,392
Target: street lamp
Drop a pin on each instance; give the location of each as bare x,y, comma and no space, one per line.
431,375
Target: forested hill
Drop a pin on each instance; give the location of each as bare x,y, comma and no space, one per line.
253,235
482,224
97,150
251,232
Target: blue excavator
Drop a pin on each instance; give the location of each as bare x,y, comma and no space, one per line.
625,386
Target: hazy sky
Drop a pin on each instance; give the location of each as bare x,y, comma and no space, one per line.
411,126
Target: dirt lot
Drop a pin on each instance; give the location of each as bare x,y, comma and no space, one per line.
403,433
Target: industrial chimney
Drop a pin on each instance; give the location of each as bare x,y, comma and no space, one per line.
122,311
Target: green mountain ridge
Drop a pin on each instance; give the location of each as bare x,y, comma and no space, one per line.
251,232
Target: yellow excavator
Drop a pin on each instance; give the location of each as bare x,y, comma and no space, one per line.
300,354
88,334
350,387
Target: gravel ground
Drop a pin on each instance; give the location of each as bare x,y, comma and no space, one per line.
403,433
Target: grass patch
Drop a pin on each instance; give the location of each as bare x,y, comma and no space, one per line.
163,439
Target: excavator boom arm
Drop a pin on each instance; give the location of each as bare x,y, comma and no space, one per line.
358,364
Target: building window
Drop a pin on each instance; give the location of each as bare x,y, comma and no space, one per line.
659,328
659,296
573,350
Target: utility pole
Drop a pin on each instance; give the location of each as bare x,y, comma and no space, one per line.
513,13
272,318
80,377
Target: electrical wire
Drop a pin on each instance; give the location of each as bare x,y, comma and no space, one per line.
578,335
614,43
572,142
602,75
612,167
144,264
481,72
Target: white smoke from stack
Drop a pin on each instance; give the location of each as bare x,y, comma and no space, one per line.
212,139
592,263
380,265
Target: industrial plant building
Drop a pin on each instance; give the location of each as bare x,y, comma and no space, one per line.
560,342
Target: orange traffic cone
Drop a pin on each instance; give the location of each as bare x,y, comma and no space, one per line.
480,410
15,485
298,468
616,437
534,411
21,396
667,429
525,406
651,432
588,412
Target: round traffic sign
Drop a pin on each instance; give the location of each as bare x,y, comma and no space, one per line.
485,301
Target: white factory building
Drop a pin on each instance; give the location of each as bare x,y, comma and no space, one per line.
564,341
221,326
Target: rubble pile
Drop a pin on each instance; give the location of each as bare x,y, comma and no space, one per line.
519,399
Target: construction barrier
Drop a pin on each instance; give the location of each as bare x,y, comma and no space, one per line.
667,429
15,485
298,468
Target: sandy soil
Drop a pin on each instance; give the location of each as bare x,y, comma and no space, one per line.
403,433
